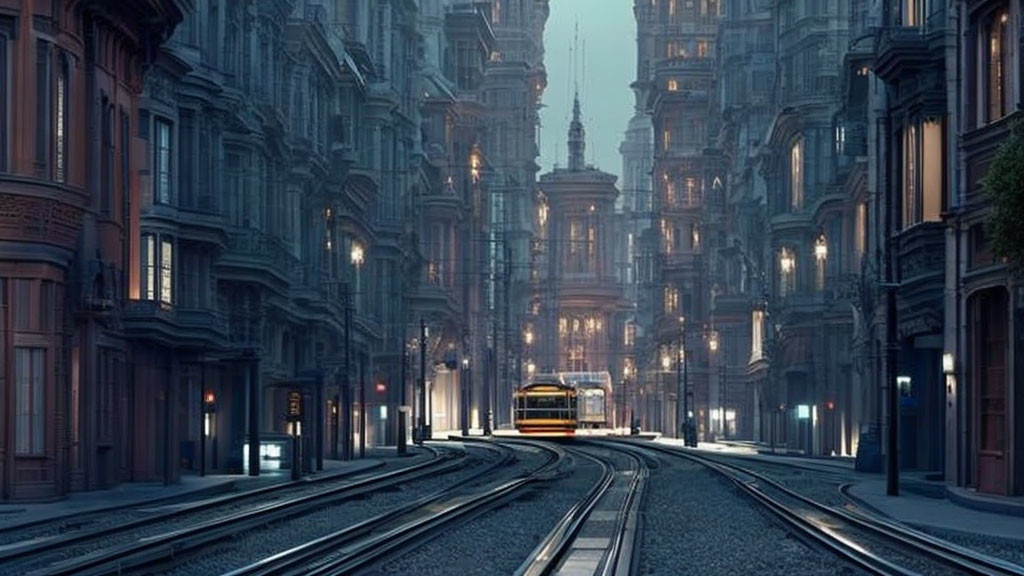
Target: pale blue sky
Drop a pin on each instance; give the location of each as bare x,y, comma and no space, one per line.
609,32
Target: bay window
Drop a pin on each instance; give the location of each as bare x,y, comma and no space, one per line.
922,172
158,268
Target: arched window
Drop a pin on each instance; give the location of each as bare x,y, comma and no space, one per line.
796,175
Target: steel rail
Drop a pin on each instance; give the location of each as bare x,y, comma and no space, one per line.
187,500
357,546
894,535
549,555
119,558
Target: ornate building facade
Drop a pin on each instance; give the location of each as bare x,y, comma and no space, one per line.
70,190
581,327
278,192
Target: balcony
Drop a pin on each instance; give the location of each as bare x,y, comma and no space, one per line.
903,51
259,257
174,327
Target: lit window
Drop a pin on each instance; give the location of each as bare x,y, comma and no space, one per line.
29,375
666,139
60,168
563,325
861,231
673,85
756,335
691,191
149,265
911,12
670,193
820,259
702,48
162,173
629,334
591,248
922,173
166,270
998,67
671,300
787,271
668,236
796,175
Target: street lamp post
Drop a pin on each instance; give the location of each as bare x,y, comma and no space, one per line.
464,397
681,400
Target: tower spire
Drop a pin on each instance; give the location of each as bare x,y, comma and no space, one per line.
577,143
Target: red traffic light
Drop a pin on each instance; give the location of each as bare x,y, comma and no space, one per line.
830,405
381,387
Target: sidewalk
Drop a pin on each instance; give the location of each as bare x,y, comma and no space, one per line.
921,502
190,487
911,508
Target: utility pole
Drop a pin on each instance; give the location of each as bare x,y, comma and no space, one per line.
422,424
401,398
346,383
362,407
722,397
892,469
508,328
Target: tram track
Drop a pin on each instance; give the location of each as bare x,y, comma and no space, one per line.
391,533
149,542
67,529
870,543
598,534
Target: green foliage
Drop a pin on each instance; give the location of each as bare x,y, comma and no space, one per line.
1004,187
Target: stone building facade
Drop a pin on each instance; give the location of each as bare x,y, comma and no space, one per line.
581,325
71,156
983,328
278,192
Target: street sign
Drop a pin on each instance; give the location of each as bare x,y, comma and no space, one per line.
294,405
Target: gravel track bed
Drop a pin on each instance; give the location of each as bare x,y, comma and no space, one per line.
823,487
696,522
499,541
255,545
1005,548
347,511
820,486
102,520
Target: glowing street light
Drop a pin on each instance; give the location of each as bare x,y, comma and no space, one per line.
357,254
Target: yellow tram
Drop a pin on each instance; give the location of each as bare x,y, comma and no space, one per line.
547,405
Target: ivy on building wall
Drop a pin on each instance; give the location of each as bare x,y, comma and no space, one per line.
1004,187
